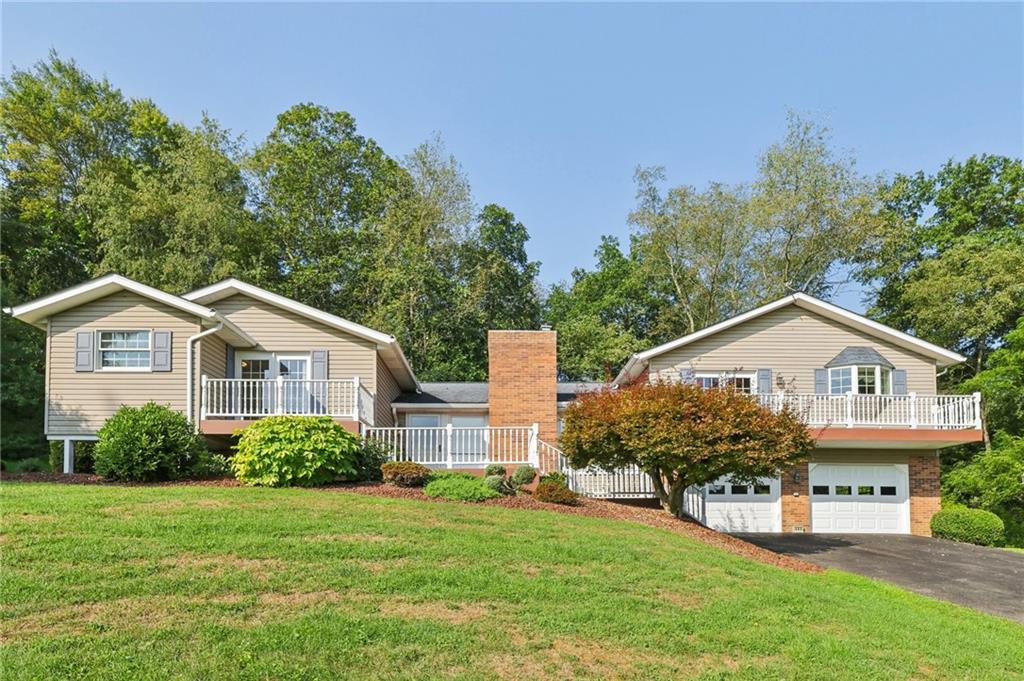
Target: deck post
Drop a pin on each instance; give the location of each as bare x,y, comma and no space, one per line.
279,406
849,409
356,405
913,410
976,398
533,455
69,456
203,399
448,444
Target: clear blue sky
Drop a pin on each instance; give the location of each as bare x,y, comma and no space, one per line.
551,107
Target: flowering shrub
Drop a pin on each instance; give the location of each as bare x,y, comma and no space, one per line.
280,451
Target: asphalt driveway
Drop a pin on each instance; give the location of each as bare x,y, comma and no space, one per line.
991,580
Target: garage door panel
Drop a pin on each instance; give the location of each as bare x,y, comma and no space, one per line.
859,498
737,508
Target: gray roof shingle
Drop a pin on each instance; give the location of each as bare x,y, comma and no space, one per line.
858,355
467,392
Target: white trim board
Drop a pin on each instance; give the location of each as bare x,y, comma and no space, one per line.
943,358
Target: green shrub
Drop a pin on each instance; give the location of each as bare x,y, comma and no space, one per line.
500,484
443,474
33,464
371,456
280,451
460,487
212,466
405,473
84,456
524,475
495,469
554,476
147,444
555,493
971,525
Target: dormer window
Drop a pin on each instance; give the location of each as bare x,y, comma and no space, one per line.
860,370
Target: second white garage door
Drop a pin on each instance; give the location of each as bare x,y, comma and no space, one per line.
867,498
737,507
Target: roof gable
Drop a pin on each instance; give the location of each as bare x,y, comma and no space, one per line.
942,357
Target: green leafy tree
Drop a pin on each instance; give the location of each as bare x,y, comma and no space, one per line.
1001,385
951,241
682,435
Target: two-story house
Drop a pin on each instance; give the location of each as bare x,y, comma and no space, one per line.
230,353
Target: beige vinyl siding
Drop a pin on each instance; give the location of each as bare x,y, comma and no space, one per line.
280,330
792,342
79,402
387,391
212,362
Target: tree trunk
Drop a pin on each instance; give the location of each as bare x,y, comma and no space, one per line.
675,498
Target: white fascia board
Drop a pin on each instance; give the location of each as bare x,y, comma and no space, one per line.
39,309
442,406
943,357
231,286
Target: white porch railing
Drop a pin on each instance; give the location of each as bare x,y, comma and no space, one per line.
623,483
695,503
252,398
909,411
471,447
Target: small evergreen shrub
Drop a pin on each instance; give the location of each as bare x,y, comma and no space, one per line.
371,456
554,476
84,456
280,451
460,487
971,525
212,466
495,469
147,444
555,493
524,475
33,464
500,484
405,473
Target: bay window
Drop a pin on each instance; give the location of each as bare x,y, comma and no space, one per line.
862,380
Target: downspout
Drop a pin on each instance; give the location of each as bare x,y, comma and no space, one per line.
189,406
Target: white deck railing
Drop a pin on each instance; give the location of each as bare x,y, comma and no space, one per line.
252,398
909,411
471,447
622,483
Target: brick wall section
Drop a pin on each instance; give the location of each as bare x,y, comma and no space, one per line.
924,492
796,501
522,376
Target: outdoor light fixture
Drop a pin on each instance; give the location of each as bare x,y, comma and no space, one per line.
796,476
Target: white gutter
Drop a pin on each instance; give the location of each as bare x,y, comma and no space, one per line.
190,344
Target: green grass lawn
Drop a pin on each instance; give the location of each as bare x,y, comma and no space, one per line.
211,583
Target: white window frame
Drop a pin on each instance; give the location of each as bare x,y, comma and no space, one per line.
275,358
129,370
723,376
854,382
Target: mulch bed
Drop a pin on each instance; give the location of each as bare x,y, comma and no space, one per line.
595,508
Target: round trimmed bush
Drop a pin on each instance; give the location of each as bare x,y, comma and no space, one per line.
460,488
405,473
280,451
524,475
494,469
555,493
147,444
971,525
499,484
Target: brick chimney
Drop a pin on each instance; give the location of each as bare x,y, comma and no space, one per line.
522,368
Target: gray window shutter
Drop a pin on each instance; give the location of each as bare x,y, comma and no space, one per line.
686,375
160,354
899,381
229,362
318,364
821,381
85,351
764,381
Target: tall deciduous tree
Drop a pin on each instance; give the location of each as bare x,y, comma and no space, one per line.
682,435
951,241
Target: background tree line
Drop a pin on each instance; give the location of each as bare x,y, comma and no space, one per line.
94,181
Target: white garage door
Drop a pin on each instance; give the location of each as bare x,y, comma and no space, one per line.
865,498
737,507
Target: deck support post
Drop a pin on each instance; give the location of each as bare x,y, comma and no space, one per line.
913,410
448,444
69,456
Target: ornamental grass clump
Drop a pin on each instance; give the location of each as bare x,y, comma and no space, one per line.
281,451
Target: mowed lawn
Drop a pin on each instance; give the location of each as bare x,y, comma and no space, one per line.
211,583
